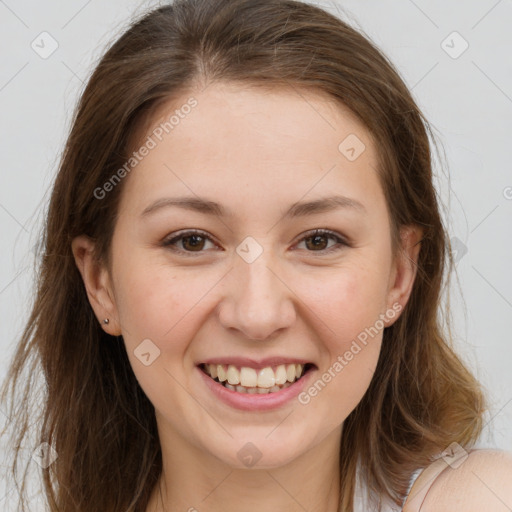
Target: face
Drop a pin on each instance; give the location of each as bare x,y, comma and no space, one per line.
248,283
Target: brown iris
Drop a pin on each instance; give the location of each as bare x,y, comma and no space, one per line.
315,243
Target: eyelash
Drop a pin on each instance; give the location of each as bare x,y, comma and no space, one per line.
168,243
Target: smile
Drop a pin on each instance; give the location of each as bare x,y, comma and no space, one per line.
270,379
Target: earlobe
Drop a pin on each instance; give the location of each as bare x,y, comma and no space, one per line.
97,284
404,268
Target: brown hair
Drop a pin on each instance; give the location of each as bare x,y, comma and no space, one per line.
94,414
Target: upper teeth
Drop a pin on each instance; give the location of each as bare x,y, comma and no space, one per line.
249,377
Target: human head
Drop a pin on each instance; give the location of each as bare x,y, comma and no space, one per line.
246,43
271,148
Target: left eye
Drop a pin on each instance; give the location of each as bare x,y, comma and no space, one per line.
318,235
194,241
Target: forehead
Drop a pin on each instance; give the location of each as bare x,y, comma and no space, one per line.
264,143
272,117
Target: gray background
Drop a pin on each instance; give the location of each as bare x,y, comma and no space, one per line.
467,97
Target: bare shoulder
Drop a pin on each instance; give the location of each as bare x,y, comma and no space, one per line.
482,482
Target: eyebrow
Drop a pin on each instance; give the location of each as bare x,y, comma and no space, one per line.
299,209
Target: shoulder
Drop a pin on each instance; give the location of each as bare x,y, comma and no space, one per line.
481,481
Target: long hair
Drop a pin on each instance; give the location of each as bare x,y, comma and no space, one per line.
93,412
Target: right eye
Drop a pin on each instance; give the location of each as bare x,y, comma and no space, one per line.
191,242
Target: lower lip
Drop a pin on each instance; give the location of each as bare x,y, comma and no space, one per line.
255,402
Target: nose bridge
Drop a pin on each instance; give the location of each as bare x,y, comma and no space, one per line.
259,303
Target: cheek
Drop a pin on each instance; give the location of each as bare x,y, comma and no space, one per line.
346,307
342,380
344,301
163,304
150,298
350,376
155,310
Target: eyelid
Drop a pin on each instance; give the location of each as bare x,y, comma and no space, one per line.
324,232
174,237
340,240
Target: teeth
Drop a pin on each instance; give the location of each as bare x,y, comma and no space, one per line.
248,377
290,372
266,378
221,373
281,375
233,375
249,380
256,391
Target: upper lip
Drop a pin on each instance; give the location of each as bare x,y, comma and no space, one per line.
257,364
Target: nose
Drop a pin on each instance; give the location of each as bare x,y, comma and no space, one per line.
258,301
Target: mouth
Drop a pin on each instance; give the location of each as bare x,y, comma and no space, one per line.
244,379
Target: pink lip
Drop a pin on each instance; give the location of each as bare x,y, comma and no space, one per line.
253,363
255,402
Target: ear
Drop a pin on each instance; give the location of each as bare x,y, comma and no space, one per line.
403,271
97,284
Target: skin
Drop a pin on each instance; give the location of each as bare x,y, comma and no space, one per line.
256,153
481,481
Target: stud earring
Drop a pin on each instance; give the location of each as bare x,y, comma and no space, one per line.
106,321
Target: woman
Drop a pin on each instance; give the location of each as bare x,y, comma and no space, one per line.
238,299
